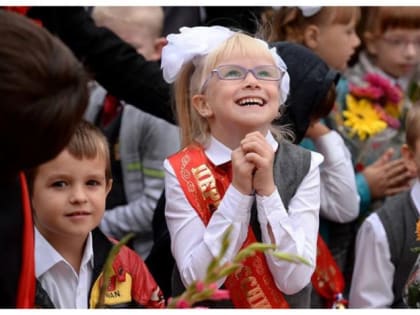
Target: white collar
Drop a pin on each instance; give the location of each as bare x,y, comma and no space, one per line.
415,194
47,256
218,153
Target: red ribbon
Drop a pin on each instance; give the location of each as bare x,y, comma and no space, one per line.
327,278
26,288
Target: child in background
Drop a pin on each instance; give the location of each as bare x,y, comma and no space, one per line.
320,28
139,142
68,198
233,171
375,89
384,257
328,31
140,26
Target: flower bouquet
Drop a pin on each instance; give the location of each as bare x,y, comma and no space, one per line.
370,118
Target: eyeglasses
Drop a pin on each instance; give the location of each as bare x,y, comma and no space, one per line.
236,72
402,43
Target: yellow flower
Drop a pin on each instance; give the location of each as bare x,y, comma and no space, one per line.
393,109
362,118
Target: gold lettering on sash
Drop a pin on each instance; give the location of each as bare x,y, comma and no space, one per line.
207,184
255,295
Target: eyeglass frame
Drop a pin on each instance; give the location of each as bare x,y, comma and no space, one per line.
401,43
252,71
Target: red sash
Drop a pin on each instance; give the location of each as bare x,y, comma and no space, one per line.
204,186
327,278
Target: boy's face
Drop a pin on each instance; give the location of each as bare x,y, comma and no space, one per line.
396,52
69,196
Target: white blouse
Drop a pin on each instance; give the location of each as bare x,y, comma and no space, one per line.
295,230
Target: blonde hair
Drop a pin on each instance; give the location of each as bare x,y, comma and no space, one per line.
195,128
412,123
150,18
289,24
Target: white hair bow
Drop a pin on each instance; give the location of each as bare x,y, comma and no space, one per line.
309,11
189,43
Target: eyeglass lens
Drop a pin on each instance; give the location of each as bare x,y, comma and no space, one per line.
235,72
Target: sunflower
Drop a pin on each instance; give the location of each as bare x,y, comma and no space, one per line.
361,118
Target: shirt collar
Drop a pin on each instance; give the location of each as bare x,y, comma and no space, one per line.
47,257
219,154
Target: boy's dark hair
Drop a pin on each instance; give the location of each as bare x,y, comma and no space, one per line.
43,92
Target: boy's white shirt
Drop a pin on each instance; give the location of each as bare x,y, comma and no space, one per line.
64,286
295,231
373,273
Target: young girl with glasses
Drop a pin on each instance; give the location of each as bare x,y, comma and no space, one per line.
387,65
236,170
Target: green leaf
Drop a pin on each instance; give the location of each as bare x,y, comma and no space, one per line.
291,258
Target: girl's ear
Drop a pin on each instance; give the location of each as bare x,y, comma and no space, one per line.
370,43
311,36
201,105
108,186
409,158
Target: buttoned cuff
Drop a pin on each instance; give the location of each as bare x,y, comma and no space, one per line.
237,206
270,207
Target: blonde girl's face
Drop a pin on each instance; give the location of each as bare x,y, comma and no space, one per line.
69,196
239,106
396,52
336,44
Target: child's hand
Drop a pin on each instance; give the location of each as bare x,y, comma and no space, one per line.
242,171
260,153
387,177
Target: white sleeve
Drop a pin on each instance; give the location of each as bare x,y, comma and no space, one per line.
373,274
295,230
339,196
194,245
